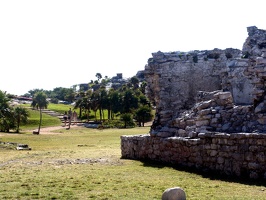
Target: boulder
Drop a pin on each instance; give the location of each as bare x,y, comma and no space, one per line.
175,193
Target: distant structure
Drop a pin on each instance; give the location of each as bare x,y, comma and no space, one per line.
82,87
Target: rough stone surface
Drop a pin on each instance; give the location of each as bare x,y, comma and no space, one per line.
175,193
217,90
238,154
210,109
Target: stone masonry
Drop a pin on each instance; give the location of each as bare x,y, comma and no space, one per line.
210,109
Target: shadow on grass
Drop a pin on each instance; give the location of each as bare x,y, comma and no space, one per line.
207,173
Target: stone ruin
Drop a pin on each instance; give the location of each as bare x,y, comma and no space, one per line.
218,90
210,109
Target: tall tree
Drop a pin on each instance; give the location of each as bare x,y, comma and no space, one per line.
40,102
115,102
6,115
95,102
127,119
98,76
143,114
129,102
21,115
135,82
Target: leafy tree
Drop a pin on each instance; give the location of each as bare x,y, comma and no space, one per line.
135,82
6,120
6,116
95,102
143,114
98,76
143,100
86,103
129,102
69,95
143,86
115,102
127,119
40,102
34,91
4,101
21,115
79,102
64,94
103,101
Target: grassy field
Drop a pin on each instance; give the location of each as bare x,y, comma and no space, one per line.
83,163
34,119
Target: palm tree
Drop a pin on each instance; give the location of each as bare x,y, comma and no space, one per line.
6,117
83,102
39,101
95,102
129,101
115,103
6,120
20,115
98,76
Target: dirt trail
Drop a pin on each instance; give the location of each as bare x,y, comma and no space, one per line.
48,130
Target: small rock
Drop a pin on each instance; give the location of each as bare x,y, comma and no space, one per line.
175,193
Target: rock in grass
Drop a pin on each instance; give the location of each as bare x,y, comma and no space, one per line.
175,193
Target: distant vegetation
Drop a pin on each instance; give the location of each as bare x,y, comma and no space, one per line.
104,100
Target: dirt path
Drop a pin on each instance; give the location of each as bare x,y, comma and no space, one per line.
48,130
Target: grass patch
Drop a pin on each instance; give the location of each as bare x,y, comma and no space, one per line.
34,119
60,108
83,163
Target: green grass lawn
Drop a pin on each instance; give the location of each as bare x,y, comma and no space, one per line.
83,163
34,119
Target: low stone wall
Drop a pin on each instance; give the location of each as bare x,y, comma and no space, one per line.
240,154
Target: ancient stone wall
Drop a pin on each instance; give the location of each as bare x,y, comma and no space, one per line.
176,79
210,109
240,154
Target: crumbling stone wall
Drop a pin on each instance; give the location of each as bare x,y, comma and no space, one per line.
210,109
175,80
239,154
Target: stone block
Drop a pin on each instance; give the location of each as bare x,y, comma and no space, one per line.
224,95
202,123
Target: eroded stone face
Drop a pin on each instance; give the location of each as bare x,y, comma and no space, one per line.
176,80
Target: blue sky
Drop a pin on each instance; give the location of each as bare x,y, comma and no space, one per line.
59,43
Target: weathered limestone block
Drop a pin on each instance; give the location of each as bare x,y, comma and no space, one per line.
204,95
205,112
204,105
223,95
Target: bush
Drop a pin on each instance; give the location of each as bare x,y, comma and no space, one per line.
118,124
